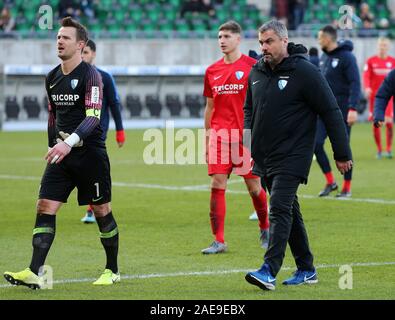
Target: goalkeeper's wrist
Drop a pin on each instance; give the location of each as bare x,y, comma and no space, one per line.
72,140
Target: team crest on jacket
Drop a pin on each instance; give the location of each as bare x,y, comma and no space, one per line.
335,62
239,74
282,83
74,83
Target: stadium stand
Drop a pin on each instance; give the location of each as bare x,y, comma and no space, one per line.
120,18
141,18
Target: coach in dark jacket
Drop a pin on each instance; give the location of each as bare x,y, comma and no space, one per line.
285,94
339,67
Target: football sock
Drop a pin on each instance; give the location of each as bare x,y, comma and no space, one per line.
329,177
346,186
43,235
89,208
377,138
109,237
260,205
217,213
390,135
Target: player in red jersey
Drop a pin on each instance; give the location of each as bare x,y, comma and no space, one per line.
375,70
225,87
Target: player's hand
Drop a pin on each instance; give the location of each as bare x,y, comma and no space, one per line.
344,166
368,93
352,117
378,124
120,137
58,152
388,120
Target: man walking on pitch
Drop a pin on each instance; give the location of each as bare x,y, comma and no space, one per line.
111,103
77,156
225,85
339,67
285,94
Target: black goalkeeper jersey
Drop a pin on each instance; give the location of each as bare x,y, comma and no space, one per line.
75,102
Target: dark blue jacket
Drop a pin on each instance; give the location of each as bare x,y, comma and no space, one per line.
111,102
340,69
383,95
281,109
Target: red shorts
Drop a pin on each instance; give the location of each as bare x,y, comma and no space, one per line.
389,111
225,158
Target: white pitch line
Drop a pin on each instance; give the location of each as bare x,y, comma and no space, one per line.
214,272
205,188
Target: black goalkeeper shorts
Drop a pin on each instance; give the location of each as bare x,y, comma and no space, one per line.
87,168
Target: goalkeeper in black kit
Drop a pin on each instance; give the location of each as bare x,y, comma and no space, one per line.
76,157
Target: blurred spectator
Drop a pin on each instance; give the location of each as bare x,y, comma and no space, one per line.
349,22
366,16
391,7
69,8
313,56
296,13
7,22
197,6
87,8
279,9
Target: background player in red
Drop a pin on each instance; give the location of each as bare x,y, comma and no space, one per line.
375,70
225,87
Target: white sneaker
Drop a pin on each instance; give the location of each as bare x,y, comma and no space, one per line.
215,247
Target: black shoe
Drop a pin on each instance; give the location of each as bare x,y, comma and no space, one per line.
328,189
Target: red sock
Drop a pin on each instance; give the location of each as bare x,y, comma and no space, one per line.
260,205
329,177
390,135
217,213
346,186
377,138
89,208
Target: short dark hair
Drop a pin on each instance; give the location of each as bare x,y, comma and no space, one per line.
81,32
91,44
331,31
231,26
313,52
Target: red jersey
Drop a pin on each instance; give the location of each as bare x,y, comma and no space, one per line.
374,73
227,84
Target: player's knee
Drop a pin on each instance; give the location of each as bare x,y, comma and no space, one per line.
101,210
254,193
47,206
219,181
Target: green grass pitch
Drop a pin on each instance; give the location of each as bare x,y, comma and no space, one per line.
162,230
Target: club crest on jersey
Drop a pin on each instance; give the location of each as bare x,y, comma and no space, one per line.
74,83
282,84
239,74
389,65
335,62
